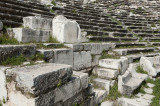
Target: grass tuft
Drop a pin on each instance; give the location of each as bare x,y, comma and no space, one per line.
13,60
113,94
139,69
105,55
156,93
5,39
52,40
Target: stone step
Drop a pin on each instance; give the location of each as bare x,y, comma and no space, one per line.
128,51
106,73
120,65
29,35
61,55
102,83
100,95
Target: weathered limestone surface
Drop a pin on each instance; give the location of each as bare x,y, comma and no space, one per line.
106,84
1,25
127,84
117,64
97,48
141,100
38,79
3,89
62,93
16,50
107,103
99,95
132,70
106,73
29,35
34,22
82,60
62,56
65,30
151,65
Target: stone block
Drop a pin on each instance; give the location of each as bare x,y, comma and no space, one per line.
38,79
106,84
83,77
95,59
16,50
37,23
97,48
105,73
82,60
99,95
76,47
62,56
61,94
65,30
29,35
117,64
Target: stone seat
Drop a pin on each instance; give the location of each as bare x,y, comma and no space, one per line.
4,16
127,51
21,3
153,39
17,7
106,39
117,34
129,44
11,23
151,65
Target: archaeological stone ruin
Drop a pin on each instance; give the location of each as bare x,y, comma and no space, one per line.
79,53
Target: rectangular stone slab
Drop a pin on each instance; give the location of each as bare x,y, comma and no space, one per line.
38,79
34,22
29,35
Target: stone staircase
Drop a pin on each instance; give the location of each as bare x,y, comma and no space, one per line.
114,28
